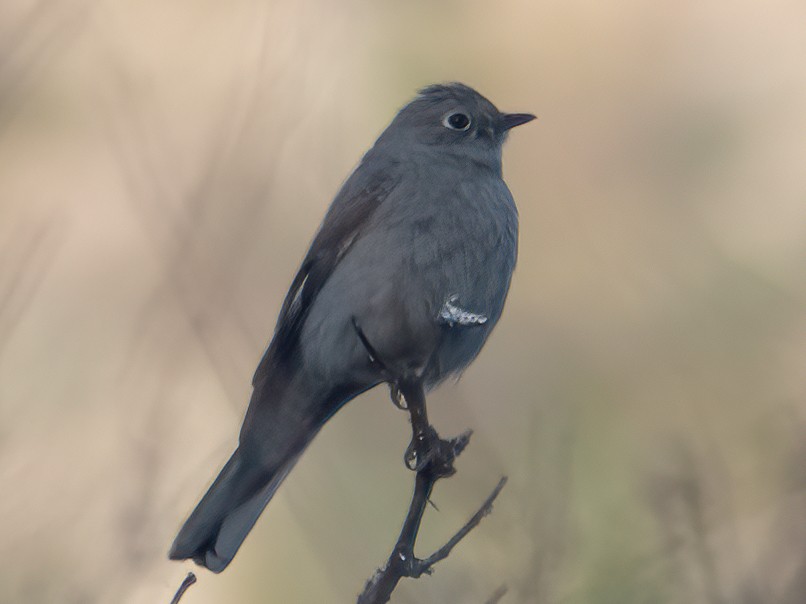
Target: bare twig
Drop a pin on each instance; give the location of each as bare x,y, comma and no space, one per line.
432,458
485,509
189,580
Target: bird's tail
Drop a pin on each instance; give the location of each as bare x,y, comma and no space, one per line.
215,530
278,428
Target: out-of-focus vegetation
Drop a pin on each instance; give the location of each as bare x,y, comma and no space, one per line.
163,166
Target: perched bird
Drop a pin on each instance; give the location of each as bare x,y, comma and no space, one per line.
405,279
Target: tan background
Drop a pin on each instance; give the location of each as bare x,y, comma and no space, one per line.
163,166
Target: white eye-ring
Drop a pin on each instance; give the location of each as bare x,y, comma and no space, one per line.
456,121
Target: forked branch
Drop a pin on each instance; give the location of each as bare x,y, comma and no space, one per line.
432,458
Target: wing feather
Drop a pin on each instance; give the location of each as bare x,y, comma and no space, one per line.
342,226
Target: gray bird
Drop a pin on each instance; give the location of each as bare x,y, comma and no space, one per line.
405,279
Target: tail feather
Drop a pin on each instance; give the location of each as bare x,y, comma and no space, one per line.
284,416
215,530
237,524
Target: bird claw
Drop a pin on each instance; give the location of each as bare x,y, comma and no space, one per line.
422,449
428,452
451,314
398,398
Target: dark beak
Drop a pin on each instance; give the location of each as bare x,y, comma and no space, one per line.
510,120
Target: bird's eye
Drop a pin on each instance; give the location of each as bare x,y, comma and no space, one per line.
456,121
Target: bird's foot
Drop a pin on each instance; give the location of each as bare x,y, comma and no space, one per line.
422,449
452,314
428,448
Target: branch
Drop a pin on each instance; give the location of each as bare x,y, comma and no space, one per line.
485,509
189,580
432,458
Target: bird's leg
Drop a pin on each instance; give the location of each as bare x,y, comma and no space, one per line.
371,353
425,441
396,390
408,393
452,314
398,398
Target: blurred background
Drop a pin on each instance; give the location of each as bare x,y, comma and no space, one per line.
163,167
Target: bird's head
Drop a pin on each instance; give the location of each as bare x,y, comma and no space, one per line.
455,119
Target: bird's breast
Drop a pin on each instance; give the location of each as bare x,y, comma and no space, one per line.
424,246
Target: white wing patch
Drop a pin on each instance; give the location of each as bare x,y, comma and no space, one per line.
452,314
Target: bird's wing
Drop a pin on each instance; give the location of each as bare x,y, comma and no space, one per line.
342,226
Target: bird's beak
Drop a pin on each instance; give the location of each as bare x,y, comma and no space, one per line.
510,120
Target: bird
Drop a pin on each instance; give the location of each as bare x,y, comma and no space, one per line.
405,279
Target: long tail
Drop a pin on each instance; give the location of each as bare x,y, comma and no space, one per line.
278,427
215,530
